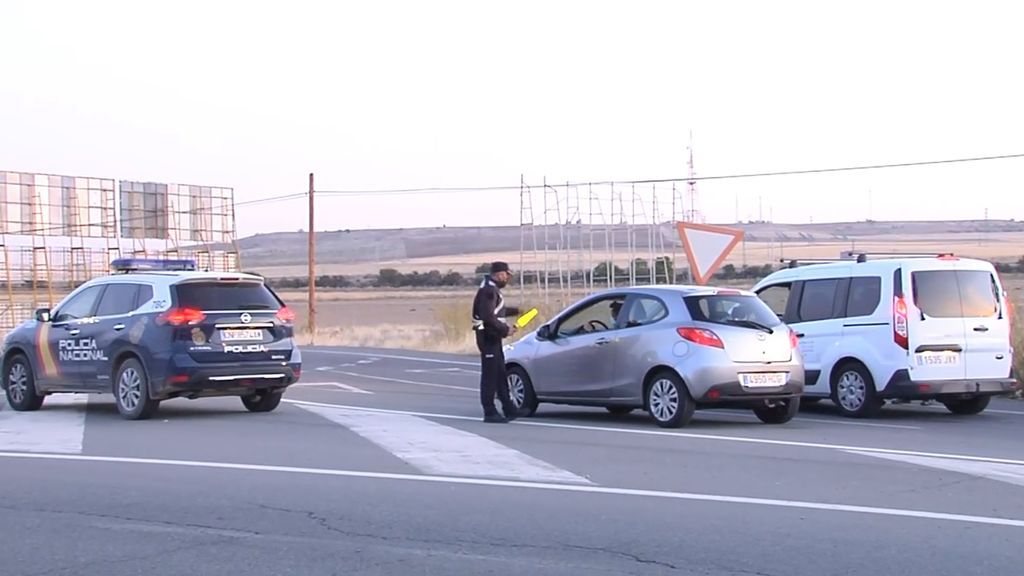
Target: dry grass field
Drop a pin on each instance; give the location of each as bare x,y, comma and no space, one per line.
995,247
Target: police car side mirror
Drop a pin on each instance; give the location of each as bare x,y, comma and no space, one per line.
43,315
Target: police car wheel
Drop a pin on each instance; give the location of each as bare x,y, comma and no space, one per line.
131,391
20,385
262,401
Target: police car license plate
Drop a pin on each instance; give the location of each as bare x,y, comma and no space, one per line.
240,335
763,380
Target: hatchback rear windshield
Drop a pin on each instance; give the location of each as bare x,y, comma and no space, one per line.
955,293
731,309
226,296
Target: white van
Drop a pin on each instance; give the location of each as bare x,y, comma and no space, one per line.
899,327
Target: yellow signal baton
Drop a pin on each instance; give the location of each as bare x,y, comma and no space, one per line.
525,319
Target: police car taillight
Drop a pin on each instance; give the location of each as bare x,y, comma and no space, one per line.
181,316
286,315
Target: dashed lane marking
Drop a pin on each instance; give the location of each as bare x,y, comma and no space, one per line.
391,357
411,382
567,488
346,387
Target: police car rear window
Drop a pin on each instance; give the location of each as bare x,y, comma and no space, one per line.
225,296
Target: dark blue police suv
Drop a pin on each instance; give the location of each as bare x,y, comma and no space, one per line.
154,330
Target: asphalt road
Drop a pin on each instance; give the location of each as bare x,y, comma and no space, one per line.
378,463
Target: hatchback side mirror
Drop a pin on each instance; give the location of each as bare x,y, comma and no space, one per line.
544,332
43,315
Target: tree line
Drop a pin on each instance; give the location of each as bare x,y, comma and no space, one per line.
641,272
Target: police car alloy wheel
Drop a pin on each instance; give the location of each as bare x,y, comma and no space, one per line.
20,384
263,401
131,391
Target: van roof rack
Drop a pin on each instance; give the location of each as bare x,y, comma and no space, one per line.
862,256
796,262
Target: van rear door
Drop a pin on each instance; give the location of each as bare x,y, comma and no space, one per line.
936,340
965,330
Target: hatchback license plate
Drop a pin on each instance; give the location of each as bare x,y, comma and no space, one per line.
763,380
240,335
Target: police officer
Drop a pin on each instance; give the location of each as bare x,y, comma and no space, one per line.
489,312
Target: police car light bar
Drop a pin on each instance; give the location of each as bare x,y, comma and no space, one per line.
129,264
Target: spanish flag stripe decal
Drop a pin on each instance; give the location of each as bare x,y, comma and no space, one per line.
43,349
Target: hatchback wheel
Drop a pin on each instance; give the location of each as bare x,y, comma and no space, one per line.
263,401
853,391
778,411
520,389
21,385
668,401
131,391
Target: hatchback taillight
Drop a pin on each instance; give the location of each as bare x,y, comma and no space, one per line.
794,341
181,316
700,336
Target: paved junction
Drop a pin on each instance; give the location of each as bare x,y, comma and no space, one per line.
378,463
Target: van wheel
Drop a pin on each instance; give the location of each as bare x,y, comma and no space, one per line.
853,391
520,390
21,385
131,391
969,406
668,401
779,412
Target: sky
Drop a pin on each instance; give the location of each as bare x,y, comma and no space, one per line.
393,95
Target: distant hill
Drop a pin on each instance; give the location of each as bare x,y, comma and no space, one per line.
345,246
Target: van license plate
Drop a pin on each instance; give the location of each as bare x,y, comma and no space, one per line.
937,358
763,380
240,335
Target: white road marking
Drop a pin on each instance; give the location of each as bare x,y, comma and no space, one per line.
392,357
804,419
1011,473
460,371
437,449
571,488
1004,412
345,387
412,382
691,435
59,426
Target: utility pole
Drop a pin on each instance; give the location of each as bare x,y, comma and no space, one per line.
311,319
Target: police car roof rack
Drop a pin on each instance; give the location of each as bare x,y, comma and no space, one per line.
126,265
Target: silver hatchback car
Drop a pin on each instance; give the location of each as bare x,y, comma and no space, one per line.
666,349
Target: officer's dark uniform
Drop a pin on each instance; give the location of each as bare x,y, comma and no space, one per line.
489,310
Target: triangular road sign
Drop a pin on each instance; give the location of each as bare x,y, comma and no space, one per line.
707,247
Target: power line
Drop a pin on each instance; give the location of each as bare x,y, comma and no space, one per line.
455,189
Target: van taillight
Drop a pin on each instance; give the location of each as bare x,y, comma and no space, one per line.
900,328
181,316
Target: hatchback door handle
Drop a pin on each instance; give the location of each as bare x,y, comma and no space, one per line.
602,342
981,328
119,327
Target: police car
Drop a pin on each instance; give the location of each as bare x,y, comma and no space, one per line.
155,330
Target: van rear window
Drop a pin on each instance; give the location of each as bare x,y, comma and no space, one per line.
955,293
209,296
